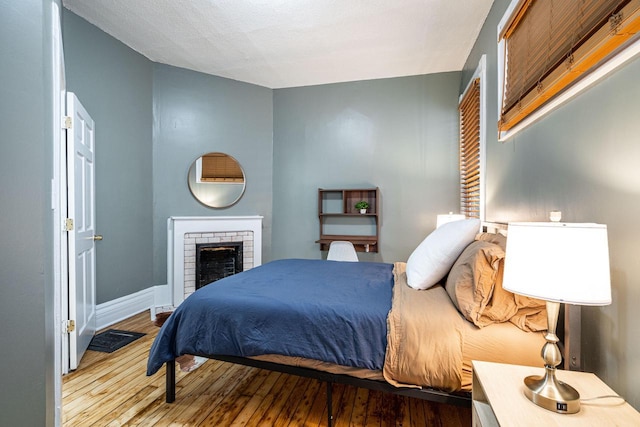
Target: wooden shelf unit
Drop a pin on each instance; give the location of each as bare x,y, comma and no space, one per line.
340,220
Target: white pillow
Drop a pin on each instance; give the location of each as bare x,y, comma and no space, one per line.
434,257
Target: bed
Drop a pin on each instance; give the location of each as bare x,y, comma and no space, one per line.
362,323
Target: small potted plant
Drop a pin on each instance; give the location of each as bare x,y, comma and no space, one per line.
363,205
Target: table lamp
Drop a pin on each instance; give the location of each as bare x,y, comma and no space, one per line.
559,263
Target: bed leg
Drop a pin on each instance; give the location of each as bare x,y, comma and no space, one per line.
171,382
329,404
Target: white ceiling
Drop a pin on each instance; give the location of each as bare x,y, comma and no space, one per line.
289,43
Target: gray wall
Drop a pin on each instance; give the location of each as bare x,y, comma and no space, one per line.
114,84
26,239
398,134
152,121
580,159
194,114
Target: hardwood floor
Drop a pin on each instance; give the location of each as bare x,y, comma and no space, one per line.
113,390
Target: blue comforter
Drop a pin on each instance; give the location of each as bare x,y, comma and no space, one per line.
325,310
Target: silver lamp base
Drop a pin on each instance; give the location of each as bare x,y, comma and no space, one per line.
550,393
547,391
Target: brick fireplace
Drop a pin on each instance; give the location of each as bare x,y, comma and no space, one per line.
186,234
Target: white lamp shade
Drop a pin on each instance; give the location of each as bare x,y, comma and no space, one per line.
450,217
561,262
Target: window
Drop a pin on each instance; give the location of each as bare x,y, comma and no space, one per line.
547,46
471,112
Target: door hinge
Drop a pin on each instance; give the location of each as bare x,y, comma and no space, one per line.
68,224
66,122
68,326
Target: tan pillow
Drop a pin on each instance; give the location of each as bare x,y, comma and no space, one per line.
472,279
496,238
530,313
475,287
531,319
502,306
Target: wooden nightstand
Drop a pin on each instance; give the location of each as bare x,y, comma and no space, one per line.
499,400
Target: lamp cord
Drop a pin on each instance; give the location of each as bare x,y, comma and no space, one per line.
594,400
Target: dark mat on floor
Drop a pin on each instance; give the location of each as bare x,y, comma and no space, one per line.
113,339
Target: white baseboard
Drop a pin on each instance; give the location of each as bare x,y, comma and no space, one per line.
122,308
155,298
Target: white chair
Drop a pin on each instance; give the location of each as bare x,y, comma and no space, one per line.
342,251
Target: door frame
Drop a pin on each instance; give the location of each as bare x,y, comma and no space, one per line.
59,206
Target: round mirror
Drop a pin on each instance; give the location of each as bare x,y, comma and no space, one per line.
216,180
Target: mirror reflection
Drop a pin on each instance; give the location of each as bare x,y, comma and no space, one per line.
216,180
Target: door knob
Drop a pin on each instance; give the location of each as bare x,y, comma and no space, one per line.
97,237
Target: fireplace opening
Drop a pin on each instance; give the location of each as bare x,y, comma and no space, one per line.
215,261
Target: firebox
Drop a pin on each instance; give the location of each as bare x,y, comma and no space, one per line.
215,261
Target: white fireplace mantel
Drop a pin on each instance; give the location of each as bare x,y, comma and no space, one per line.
178,226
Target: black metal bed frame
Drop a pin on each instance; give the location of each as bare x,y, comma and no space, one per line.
570,347
433,395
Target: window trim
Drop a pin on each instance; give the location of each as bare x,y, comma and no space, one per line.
481,74
590,78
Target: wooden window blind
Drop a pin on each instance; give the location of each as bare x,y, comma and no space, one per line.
469,111
550,44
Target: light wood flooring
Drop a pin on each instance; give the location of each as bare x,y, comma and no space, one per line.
113,390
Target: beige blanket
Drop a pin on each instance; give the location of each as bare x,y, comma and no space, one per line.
424,337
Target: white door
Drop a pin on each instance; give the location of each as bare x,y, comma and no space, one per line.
81,235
